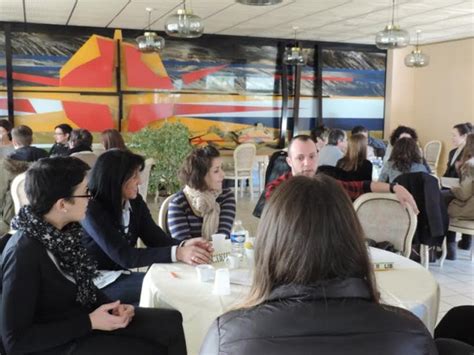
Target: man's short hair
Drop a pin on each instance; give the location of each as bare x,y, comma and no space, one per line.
335,136
300,137
23,135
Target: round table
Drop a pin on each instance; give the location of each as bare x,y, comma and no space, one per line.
408,285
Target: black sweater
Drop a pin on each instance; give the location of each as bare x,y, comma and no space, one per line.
38,310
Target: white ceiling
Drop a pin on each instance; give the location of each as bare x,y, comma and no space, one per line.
350,21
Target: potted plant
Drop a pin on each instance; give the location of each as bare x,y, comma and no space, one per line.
168,146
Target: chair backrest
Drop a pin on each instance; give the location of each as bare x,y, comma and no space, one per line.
244,157
17,189
432,152
145,177
87,157
163,214
383,218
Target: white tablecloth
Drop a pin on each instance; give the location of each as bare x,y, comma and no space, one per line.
408,285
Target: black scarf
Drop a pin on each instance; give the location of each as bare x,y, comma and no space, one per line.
66,247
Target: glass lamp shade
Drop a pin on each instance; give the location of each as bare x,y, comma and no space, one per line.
417,59
294,56
258,2
184,24
392,37
150,42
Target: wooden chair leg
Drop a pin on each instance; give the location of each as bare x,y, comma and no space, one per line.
425,255
444,252
251,187
236,187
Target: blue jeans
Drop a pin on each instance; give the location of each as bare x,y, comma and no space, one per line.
126,288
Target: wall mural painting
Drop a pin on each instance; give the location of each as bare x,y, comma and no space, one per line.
226,92
353,89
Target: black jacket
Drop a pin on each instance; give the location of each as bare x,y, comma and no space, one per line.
326,319
451,169
29,153
39,310
106,242
59,149
433,220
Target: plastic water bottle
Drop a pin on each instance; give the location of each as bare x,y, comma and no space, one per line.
237,238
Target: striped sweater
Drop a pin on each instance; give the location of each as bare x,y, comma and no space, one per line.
184,224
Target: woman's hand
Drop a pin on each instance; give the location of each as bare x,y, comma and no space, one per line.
195,251
124,310
103,318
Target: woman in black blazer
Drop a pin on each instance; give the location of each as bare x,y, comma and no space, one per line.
458,138
115,219
49,303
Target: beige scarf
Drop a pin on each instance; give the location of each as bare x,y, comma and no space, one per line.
203,204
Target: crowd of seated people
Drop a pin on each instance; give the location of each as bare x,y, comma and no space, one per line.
295,276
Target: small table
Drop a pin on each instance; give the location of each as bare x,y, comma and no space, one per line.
261,160
408,286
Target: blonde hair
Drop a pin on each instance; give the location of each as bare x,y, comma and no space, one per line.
356,153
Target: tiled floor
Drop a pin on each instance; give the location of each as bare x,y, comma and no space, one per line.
456,278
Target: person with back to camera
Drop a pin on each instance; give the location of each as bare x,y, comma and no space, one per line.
397,133
112,139
202,208
405,158
117,216
335,149
355,161
49,304
62,133
458,138
313,289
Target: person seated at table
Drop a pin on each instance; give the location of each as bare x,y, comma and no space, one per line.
458,138
397,133
6,145
80,141
49,304
405,158
335,149
355,161
117,216
320,135
375,146
62,132
112,139
461,203
22,138
303,160
202,208
313,288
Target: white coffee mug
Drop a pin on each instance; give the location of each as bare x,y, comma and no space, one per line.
205,272
232,261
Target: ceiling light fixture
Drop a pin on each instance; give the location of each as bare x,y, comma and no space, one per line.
184,24
392,36
417,59
259,2
150,41
294,55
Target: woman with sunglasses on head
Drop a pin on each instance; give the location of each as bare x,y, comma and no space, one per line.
313,289
202,208
117,216
49,303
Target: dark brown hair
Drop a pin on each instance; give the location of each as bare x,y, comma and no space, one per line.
356,153
397,132
463,128
195,167
81,137
303,240
468,151
405,153
23,135
111,138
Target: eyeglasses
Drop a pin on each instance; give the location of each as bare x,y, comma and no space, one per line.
88,196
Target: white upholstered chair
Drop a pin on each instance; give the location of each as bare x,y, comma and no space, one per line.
383,218
163,214
432,151
145,178
87,157
244,160
17,190
459,226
